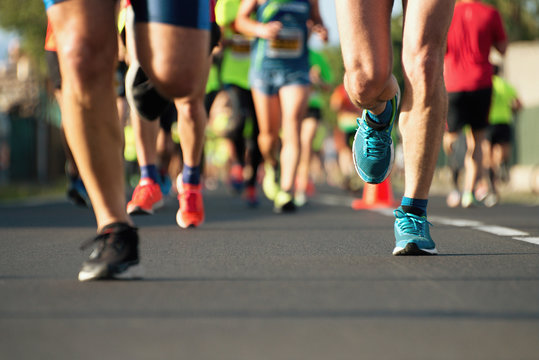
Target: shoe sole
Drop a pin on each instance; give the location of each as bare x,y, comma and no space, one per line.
289,207
411,249
137,210
126,271
184,225
472,205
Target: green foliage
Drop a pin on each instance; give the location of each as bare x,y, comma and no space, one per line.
28,19
333,56
520,17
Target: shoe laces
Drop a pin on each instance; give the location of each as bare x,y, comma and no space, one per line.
410,223
375,142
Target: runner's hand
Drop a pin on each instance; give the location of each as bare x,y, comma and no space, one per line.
321,31
269,30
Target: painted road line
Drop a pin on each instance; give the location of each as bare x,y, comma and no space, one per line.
531,240
333,200
455,222
501,230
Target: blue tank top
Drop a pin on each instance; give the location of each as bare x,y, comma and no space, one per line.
289,50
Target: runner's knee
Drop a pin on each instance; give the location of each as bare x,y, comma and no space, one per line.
88,63
364,85
423,65
176,84
191,108
265,140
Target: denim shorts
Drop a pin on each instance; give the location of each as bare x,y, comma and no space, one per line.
270,81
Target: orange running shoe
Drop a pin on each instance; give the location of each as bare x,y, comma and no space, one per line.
191,211
147,198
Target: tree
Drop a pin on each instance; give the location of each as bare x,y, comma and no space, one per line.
28,19
520,17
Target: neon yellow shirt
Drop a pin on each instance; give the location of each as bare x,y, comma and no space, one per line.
503,95
236,56
213,83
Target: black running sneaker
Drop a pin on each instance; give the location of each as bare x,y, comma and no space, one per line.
115,251
284,203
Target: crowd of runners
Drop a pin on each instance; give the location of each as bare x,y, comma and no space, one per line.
189,91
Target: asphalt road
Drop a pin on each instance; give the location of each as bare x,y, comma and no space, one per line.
249,284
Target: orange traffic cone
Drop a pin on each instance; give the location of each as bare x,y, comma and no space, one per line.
376,196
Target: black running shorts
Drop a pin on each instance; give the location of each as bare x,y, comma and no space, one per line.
468,108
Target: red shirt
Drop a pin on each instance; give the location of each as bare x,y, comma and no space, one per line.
475,28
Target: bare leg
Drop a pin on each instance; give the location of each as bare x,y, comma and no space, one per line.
165,149
268,115
178,74
293,106
87,49
364,30
308,131
177,62
175,58
424,101
191,126
473,160
145,139
450,146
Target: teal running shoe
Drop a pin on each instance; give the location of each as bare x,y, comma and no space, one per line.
412,235
165,183
373,147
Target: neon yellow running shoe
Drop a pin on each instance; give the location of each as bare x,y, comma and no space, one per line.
284,202
270,184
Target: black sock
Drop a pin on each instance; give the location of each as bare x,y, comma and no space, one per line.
413,210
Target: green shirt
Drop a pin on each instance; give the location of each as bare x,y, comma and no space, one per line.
213,83
236,56
317,59
503,95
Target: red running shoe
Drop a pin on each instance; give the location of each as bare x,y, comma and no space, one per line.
147,198
191,211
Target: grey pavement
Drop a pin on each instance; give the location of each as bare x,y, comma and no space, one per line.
250,284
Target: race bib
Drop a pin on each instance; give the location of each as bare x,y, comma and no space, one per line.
240,47
287,45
